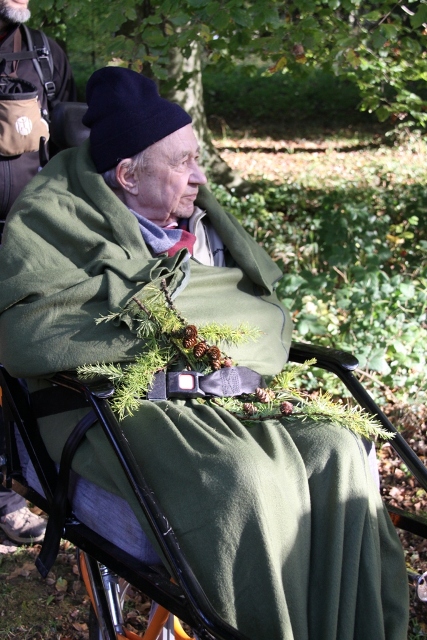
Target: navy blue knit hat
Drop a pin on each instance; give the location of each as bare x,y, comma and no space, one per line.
126,115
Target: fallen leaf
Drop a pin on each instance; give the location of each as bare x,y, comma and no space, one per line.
23,571
61,585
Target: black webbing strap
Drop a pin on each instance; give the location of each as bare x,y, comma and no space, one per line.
38,43
39,52
58,510
52,400
228,381
19,55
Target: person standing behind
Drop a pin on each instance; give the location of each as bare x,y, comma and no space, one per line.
16,171
56,84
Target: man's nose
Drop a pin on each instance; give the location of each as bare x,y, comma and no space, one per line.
198,175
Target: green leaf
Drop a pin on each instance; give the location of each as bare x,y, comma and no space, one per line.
241,17
197,3
420,16
377,362
382,113
220,20
290,283
373,16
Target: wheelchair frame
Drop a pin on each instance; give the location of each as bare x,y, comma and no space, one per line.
102,562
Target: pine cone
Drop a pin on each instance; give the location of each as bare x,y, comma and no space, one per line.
262,394
190,331
200,349
249,408
214,353
286,408
189,343
216,364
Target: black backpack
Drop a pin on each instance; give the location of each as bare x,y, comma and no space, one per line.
39,52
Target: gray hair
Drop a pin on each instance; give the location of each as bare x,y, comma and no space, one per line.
135,165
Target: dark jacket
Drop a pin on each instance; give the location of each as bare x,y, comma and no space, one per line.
15,172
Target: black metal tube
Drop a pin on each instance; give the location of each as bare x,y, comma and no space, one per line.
164,533
342,364
103,614
398,442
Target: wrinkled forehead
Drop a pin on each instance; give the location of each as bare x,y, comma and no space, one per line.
174,146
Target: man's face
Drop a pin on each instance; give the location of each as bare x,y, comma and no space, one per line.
14,11
167,188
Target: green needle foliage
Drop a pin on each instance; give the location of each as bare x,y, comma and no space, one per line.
161,328
284,400
163,332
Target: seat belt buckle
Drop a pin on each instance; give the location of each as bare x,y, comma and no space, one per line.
176,384
184,384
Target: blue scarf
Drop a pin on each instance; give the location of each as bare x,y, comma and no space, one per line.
164,240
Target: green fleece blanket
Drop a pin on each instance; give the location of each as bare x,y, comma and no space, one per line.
280,521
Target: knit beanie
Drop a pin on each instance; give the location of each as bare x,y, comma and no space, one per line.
126,115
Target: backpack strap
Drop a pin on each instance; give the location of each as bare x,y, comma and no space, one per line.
38,45
39,52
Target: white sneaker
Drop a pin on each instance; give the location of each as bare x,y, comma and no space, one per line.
23,526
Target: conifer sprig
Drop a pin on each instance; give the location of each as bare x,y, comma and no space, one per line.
317,408
168,339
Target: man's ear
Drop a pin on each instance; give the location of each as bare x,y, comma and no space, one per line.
127,180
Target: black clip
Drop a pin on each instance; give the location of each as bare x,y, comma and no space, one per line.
42,52
184,384
176,384
50,88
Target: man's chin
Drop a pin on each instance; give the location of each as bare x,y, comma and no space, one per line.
185,213
12,15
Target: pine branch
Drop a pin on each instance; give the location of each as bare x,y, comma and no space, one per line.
320,408
168,338
286,378
214,333
113,372
137,381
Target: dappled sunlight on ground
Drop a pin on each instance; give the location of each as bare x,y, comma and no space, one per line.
325,163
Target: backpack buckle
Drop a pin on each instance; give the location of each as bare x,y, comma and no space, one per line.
50,88
42,52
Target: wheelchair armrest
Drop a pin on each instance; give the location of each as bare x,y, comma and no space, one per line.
327,358
99,387
342,364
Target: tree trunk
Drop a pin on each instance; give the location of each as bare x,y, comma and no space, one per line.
191,99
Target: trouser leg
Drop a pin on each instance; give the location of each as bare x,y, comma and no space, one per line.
9,500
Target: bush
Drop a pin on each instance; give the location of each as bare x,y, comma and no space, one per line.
315,98
355,267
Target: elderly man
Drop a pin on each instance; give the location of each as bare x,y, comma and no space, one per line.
279,518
